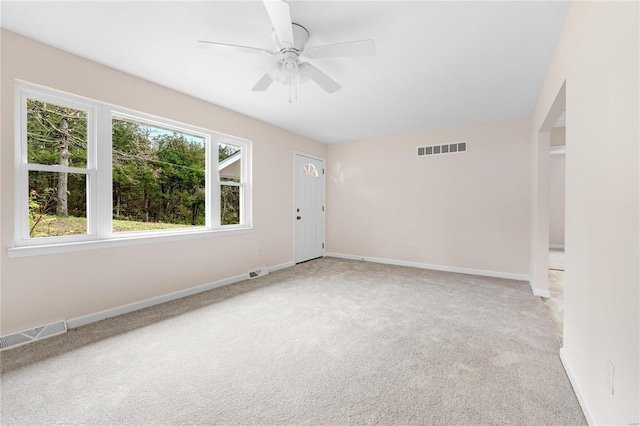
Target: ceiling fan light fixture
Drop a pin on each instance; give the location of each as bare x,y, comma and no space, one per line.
290,65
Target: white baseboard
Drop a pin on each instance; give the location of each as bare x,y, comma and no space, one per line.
108,313
538,292
556,246
586,409
482,272
281,266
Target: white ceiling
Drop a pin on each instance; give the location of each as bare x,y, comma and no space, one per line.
438,64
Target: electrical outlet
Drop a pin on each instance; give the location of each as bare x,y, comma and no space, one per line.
258,251
413,246
610,370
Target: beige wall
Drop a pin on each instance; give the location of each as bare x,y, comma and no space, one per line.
33,294
558,136
556,199
469,210
465,210
597,56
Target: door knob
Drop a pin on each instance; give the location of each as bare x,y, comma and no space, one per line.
299,217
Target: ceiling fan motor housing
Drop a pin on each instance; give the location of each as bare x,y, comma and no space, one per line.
300,38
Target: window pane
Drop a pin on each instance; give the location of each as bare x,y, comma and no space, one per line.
229,162
229,205
158,178
57,204
309,170
56,135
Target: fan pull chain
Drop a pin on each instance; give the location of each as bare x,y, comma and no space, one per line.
297,79
293,88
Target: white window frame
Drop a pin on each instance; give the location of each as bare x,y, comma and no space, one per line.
245,179
23,167
99,177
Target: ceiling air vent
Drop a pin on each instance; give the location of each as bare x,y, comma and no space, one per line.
447,148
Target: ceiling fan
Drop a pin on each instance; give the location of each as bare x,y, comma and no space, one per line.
291,40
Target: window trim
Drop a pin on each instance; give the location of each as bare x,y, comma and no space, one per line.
99,177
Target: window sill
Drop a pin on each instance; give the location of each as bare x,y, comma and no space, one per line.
129,240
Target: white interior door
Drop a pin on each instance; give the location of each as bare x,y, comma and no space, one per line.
309,208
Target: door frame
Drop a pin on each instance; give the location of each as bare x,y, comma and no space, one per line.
324,200
539,256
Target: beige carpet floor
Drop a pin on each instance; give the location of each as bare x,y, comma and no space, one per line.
555,303
327,342
556,259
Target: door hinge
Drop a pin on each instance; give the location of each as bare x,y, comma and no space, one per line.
322,245
322,208
322,171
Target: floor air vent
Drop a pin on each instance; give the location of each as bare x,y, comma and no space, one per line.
36,333
259,273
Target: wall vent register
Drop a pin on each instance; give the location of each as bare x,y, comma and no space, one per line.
27,336
448,148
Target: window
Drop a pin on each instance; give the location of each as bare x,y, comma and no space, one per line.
230,172
89,171
57,168
158,177
309,170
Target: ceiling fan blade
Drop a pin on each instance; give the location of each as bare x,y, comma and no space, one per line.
234,47
327,83
280,16
346,49
263,84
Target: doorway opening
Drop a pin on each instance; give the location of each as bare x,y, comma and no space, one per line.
557,197
541,239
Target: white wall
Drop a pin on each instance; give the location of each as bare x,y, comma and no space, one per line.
556,199
31,294
465,210
597,57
